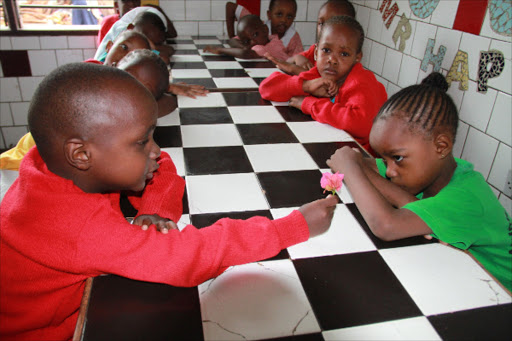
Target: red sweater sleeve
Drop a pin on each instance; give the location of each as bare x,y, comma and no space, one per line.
280,87
163,194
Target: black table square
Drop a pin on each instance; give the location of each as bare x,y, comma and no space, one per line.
258,80
216,160
215,115
186,52
344,294
257,64
304,184
218,73
168,136
206,82
218,58
244,98
179,41
266,133
291,114
125,309
320,152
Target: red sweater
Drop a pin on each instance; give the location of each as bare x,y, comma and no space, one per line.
355,106
54,236
106,24
310,54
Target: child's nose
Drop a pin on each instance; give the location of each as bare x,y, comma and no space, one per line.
155,151
391,172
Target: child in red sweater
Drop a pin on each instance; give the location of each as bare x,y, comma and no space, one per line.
61,221
121,7
338,91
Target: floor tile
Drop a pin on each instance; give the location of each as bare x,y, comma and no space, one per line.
255,114
205,116
208,135
308,132
344,294
210,100
236,82
266,133
279,157
305,185
169,136
217,160
244,98
236,303
225,193
442,279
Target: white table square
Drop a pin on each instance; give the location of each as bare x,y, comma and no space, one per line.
308,132
171,119
190,73
186,58
176,154
235,82
279,157
211,100
223,65
210,135
260,72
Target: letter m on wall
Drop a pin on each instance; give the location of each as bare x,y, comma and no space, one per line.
388,11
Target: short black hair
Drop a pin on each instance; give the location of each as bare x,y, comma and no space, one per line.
347,21
273,3
343,4
426,107
148,17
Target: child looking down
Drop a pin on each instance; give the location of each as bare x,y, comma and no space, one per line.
338,91
61,221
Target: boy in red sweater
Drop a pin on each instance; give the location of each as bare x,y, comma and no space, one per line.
61,221
338,91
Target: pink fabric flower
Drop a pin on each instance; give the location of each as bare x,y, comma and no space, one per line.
331,182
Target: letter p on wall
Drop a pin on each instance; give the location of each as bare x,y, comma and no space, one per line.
491,65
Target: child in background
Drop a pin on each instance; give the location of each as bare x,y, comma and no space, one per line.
338,91
280,14
61,222
256,42
419,187
306,60
120,7
149,69
124,43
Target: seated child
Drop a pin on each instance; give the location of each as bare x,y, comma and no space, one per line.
149,69
146,20
120,7
422,188
124,43
338,91
306,60
280,14
256,42
61,221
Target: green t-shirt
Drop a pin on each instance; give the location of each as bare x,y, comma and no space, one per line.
467,215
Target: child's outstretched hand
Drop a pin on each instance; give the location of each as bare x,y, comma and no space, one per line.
284,66
343,158
296,102
318,214
212,49
320,87
189,90
162,224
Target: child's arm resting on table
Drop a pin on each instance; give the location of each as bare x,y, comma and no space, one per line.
386,222
285,65
237,52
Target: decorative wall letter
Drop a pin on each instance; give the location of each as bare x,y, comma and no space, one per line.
462,76
500,15
423,8
388,12
484,72
430,58
402,34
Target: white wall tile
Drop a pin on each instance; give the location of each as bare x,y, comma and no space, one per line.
20,112
42,62
82,42
408,71
473,44
501,119
387,37
175,10
502,46
5,43
375,26
502,165
312,11
302,10
480,150
69,56
206,28
307,32
477,107
456,94
187,27
5,115
28,85
12,135
197,10
264,8
373,3
377,57
363,16
423,33
504,81
51,42
444,14
449,39
89,53
367,49
460,140
392,89
25,43
403,7
218,10
10,89
392,65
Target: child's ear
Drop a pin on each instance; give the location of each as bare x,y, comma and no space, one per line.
443,144
316,51
109,46
77,153
359,56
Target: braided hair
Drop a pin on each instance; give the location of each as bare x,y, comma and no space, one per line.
426,107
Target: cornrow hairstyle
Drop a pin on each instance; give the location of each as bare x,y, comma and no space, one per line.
426,107
347,21
343,4
273,3
147,58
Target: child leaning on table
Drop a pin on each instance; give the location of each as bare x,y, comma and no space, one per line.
61,221
338,90
306,60
419,187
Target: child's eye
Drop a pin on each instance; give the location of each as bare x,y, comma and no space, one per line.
398,158
124,46
143,142
326,50
344,54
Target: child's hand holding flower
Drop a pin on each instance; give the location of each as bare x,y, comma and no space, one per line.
331,182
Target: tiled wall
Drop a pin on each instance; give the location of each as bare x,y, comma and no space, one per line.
484,136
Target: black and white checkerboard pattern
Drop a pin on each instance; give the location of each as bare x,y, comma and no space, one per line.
243,156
